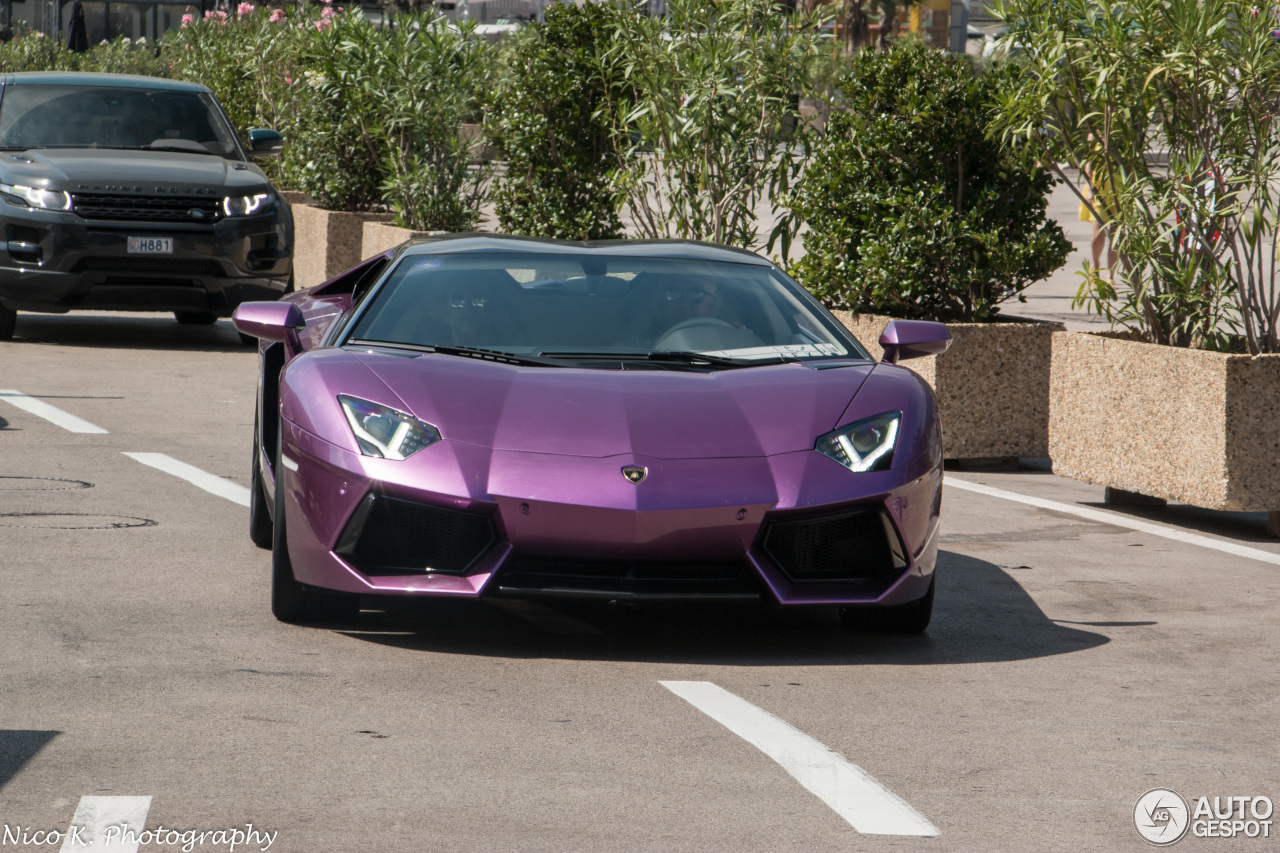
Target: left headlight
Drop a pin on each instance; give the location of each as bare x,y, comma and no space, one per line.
863,446
38,198
246,205
384,432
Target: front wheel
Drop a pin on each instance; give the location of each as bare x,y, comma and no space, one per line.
290,600
8,322
910,618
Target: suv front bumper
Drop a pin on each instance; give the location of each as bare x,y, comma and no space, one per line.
57,261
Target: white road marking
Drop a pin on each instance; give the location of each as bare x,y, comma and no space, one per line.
1119,520
854,794
209,482
53,414
540,616
102,824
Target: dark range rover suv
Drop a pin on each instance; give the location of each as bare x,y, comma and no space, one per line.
133,194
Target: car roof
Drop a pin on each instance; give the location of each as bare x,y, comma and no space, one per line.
77,78
692,250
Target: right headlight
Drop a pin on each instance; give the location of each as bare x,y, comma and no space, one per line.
863,446
37,197
385,433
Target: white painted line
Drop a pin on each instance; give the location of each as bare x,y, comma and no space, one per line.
107,825
1119,520
854,794
53,414
540,616
210,483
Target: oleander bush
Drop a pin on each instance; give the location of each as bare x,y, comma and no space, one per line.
1170,112
405,92
710,115
913,209
553,124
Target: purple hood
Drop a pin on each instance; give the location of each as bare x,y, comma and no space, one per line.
750,412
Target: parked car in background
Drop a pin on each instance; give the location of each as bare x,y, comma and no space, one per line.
133,194
635,420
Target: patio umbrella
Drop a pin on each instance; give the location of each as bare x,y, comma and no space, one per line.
77,32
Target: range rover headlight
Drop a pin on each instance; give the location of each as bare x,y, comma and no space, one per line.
246,205
384,432
863,446
37,197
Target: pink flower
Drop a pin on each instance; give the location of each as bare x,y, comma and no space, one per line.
244,9
188,19
328,12
288,79
277,15
323,24
219,16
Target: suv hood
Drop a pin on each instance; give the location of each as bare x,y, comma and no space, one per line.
128,172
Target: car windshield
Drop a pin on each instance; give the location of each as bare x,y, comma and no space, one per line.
558,307
42,116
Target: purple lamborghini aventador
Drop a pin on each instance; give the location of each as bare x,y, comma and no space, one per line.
497,416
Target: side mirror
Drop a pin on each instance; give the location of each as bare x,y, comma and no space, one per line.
270,321
913,339
265,143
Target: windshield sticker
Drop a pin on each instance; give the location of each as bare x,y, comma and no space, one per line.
427,263
786,350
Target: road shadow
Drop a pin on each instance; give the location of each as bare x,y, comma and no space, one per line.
981,615
17,747
124,330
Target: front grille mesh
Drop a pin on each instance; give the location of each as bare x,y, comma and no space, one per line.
528,574
389,536
849,546
142,264
146,208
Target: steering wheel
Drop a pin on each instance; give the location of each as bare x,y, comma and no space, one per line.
693,323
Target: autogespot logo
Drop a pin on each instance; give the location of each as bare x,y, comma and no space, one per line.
1161,816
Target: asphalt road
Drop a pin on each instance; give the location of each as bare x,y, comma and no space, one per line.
1074,663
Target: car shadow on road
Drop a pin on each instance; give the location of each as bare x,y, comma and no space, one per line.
109,330
981,615
17,747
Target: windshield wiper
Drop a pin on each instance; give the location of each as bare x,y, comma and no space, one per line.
466,352
669,356
181,148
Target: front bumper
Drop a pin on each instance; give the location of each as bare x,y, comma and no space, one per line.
796,528
54,262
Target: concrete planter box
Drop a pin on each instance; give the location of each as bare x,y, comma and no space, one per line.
326,242
1166,422
992,385
380,236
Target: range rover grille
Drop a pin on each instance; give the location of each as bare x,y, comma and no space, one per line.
146,208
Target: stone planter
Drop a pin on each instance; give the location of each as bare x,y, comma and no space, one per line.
1166,422
380,236
296,197
992,385
326,242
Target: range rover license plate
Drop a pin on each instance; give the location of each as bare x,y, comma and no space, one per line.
151,245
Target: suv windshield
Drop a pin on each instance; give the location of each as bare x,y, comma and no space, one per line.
556,306
41,116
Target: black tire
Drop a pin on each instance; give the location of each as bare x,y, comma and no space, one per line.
8,322
291,601
910,618
261,530
195,318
